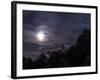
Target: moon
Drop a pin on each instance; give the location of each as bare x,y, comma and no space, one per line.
40,36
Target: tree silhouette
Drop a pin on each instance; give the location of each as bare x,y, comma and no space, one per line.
79,54
28,63
42,61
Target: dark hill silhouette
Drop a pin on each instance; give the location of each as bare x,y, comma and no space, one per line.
77,55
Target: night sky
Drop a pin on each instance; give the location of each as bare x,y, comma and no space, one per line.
58,28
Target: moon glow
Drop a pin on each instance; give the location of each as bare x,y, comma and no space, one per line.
40,36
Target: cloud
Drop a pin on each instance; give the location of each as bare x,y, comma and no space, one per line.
59,28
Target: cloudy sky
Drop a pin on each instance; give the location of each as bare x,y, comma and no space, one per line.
43,29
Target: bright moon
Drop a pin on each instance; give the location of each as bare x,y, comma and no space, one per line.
40,36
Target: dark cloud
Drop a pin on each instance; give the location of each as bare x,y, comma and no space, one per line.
59,28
